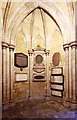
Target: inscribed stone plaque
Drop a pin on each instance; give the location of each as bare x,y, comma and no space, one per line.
58,70
39,59
56,58
56,93
21,77
57,79
57,87
20,60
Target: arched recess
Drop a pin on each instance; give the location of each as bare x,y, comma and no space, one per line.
25,11
70,49
21,14
50,9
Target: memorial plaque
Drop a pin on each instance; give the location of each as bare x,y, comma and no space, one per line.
57,87
21,77
20,60
56,93
56,59
57,79
58,70
39,59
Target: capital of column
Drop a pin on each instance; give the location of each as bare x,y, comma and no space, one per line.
47,52
7,45
11,46
4,45
73,44
66,47
30,52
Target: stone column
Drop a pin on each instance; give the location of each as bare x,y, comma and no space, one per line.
4,72
7,72
70,88
7,77
30,72
48,91
70,73
11,72
74,75
66,77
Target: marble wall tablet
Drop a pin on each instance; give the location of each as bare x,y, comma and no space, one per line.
57,79
58,70
57,93
21,77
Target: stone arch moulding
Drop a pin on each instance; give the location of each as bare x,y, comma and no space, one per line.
25,11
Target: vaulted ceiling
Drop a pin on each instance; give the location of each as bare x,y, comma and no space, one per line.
35,21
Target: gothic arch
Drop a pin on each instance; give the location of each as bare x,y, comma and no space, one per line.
24,11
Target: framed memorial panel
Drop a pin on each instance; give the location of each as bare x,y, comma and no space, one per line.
21,77
57,71
57,79
57,93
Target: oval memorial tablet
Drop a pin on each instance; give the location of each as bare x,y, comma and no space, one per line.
56,59
39,59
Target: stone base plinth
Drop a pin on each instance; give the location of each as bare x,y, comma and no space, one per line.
73,104
66,102
70,103
47,97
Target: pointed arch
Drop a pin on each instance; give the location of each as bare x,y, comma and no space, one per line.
49,8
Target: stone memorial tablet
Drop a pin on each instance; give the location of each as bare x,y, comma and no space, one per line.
58,70
21,77
57,79
57,87
57,93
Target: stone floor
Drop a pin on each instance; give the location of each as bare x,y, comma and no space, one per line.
36,108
